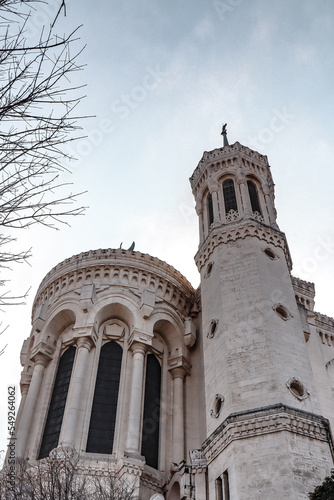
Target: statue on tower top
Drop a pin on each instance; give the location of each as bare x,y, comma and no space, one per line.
224,134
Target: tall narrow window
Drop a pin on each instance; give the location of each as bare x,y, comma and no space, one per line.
226,486
57,404
151,419
230,199
253,197
219,488
103,416
210,209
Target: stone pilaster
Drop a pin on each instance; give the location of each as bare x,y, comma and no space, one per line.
69,425
41,359
134,421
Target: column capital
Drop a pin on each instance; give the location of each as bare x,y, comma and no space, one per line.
179,367
140,337
241,180
85,342
139,347
42,353
25,381
266,190
87,333
178,372
213,186
199,207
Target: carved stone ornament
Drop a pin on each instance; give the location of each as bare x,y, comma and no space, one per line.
197,457
258,216
232,215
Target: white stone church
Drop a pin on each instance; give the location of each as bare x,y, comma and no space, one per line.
219,393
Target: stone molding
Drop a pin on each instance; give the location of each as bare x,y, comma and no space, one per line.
226,158
324,322
116,268
236,231
152,479
267,420
179,366
326,338
87,335
304,292
42,353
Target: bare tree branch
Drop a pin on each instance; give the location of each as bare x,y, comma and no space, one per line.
37,119
61,478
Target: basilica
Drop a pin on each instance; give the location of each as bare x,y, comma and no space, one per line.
219,393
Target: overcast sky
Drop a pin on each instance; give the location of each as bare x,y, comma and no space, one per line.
161,79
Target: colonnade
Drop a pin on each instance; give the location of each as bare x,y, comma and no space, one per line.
69,428
243,202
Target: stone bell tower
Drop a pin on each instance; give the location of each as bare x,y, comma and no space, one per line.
264,431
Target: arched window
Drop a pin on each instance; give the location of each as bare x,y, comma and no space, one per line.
230,199
210,209
57,404
151,418
103,416
253,197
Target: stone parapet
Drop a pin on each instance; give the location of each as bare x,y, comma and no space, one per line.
105,267
324,322
226,157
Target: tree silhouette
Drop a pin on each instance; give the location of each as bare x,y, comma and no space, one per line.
325,491
37,118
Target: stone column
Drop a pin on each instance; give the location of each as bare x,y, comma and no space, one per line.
26,420
136,395
199,211
73,403
245,198
201,227
215,206
269,204
178,375
24,392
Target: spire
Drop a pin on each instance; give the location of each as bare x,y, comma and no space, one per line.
224,134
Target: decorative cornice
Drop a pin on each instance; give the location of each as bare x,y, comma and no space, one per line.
324,322
113,267
240,230
267,420
304,287
226,159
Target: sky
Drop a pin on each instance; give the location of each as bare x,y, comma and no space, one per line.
161,78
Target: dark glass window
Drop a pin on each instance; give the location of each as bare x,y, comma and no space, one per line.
210,209
103,416
230,199
151,419
253,197
57,404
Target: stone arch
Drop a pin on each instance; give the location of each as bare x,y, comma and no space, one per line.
170,331
113,307
60,320
175,492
